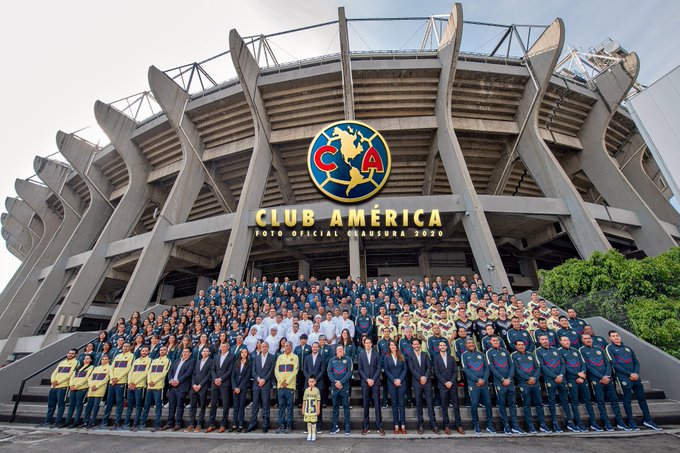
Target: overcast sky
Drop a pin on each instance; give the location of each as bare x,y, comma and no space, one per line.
60,57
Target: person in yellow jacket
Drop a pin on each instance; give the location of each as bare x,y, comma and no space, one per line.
137,380
97,384
78,387
286,370
120,368
154,389
60,379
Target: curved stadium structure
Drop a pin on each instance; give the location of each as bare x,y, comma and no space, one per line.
528,161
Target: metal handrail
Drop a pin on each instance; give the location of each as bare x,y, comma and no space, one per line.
24,380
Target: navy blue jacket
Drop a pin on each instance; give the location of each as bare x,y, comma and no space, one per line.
367,371
185,374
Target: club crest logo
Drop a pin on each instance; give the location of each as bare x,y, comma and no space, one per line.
349,161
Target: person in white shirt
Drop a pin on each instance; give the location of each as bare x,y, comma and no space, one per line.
260,328
293,335
270,320
273,339
345,323
328,328
251,340
305,323
313,336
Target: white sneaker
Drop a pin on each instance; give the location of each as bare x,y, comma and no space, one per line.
314,438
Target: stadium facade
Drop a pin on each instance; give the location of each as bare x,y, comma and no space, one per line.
526,167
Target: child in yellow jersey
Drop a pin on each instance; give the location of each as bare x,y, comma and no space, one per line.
61,376
96,383
78,387
311,408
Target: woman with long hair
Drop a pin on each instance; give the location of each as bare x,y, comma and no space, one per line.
78,389
173,347
395,369
346,342
240,382
101,339
105,351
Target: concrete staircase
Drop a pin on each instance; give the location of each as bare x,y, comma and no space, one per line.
34,405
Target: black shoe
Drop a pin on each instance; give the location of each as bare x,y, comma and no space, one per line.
250,429
265,430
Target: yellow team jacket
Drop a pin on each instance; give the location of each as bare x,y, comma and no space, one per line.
121,366
99,378
286,370
80,377
158,370
63,372
139,372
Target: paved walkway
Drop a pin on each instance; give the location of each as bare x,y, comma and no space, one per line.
26,438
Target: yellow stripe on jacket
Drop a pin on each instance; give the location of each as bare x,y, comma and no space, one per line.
158,370
121,366
63,372
98,381
80,377
286,370
139,372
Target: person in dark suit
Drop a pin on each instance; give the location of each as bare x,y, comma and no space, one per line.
315,366
368,364
200,383
420,367
180,383
240,382
262,373
220,389
395,369
446,371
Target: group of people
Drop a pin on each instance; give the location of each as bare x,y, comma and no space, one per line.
407,344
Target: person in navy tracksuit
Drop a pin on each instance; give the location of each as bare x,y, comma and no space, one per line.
395,369
627,369
477,373
528,373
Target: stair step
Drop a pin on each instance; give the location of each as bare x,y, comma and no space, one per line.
663,411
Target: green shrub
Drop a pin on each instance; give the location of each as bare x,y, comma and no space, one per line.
639,295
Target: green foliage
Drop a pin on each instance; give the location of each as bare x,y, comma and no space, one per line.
657,321
639,295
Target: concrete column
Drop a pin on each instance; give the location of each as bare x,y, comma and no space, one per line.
602,169
35,196
54,175
19,233
188,183
304,268
424,263
474,221
241,236
119,128
13,245
581,226
22,241
630,162
80,154
25,216
354,249
529,269
355,256
34,225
